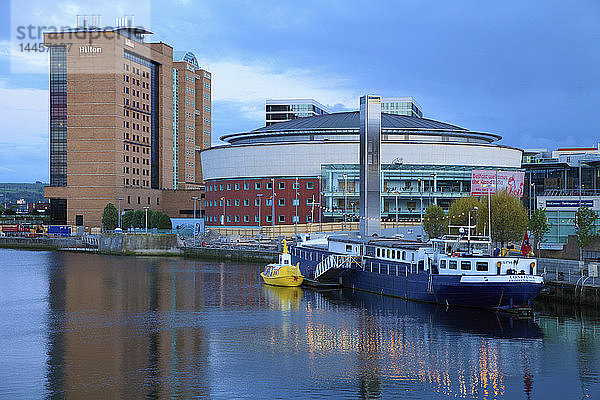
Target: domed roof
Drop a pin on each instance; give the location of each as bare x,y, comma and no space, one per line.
351,120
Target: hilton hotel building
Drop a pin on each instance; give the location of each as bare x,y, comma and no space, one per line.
126,122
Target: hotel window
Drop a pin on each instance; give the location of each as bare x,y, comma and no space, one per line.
229,186
281,202
282,218
128,199
139,200
256,218
269,218
308,218
237,202
229,218
246,186
246,202
268,202
221,187
246,218
228,202
281,185
257,186
269,185
310,185
236,186
237,218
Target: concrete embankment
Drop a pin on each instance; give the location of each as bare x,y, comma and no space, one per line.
139,244
570,294
42,243
232,253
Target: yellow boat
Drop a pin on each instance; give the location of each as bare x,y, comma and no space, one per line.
283,273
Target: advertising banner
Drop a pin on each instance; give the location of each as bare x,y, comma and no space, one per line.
484,181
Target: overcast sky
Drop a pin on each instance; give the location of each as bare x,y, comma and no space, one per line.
528,71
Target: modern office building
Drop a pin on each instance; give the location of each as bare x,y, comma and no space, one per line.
112,124
191,119
423,162
559,181
401,106
287,109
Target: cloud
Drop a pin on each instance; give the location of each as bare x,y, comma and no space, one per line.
24,139
252,82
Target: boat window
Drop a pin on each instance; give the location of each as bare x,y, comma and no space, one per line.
388,253
443,264
378,252
413,256
404,255
393,253
481,266
348,247
465,265
452,265
421,266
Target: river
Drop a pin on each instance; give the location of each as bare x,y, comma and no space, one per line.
90,326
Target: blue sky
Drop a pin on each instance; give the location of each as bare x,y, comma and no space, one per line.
529,71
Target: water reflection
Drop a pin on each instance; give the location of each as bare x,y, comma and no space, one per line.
454,352
145,327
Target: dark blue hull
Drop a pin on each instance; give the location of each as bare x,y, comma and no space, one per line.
399,280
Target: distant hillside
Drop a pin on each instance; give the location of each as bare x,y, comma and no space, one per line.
31,192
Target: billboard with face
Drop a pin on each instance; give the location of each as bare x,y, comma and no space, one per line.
484,181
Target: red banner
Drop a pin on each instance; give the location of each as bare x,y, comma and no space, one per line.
484,181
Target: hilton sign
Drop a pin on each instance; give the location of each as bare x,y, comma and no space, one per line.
90,50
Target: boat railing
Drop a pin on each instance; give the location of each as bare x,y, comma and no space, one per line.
336,262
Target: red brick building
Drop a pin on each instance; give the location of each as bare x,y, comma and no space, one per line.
238,201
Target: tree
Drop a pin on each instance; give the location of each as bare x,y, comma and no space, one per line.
434,221
509,217
139,219
164,221
127,220
538,225
154,218
458,213
585,228
110,217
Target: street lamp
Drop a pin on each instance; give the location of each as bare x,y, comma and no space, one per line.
273,207
421,195
396,194
119,198
345,199
320,206
296,203
469,231
259,196
146,212
194,226
223,200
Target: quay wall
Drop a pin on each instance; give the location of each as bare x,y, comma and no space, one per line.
42,243
564,293
139,244
240,254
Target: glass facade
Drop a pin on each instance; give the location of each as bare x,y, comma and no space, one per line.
285,112
401,106
58,116
412,184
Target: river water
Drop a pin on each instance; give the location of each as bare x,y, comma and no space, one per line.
89,326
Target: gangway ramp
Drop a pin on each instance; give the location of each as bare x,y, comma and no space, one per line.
335,264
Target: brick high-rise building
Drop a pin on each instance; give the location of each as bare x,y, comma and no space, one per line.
112,125
191,118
